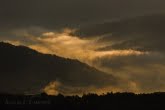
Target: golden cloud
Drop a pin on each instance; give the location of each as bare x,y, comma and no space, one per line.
52,88
86,50
68,46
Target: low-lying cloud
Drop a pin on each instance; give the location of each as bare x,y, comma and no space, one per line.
132,66
66,45
131,52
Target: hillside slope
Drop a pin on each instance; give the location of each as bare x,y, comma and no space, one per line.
23,69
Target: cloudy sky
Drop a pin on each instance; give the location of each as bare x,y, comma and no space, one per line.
124,38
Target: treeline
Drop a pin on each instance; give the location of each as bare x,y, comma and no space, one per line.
109,101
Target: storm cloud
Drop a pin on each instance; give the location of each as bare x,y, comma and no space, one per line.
62,13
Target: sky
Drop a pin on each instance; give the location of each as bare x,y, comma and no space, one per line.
124,38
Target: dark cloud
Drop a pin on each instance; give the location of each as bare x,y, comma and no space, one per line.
144,33
63,13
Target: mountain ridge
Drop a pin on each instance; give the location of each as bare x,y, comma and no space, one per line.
23,68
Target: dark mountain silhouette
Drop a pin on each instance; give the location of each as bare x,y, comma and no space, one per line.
24,69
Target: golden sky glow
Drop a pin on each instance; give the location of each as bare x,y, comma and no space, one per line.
131,65
85,50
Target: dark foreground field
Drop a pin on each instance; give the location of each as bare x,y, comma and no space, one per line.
110,101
